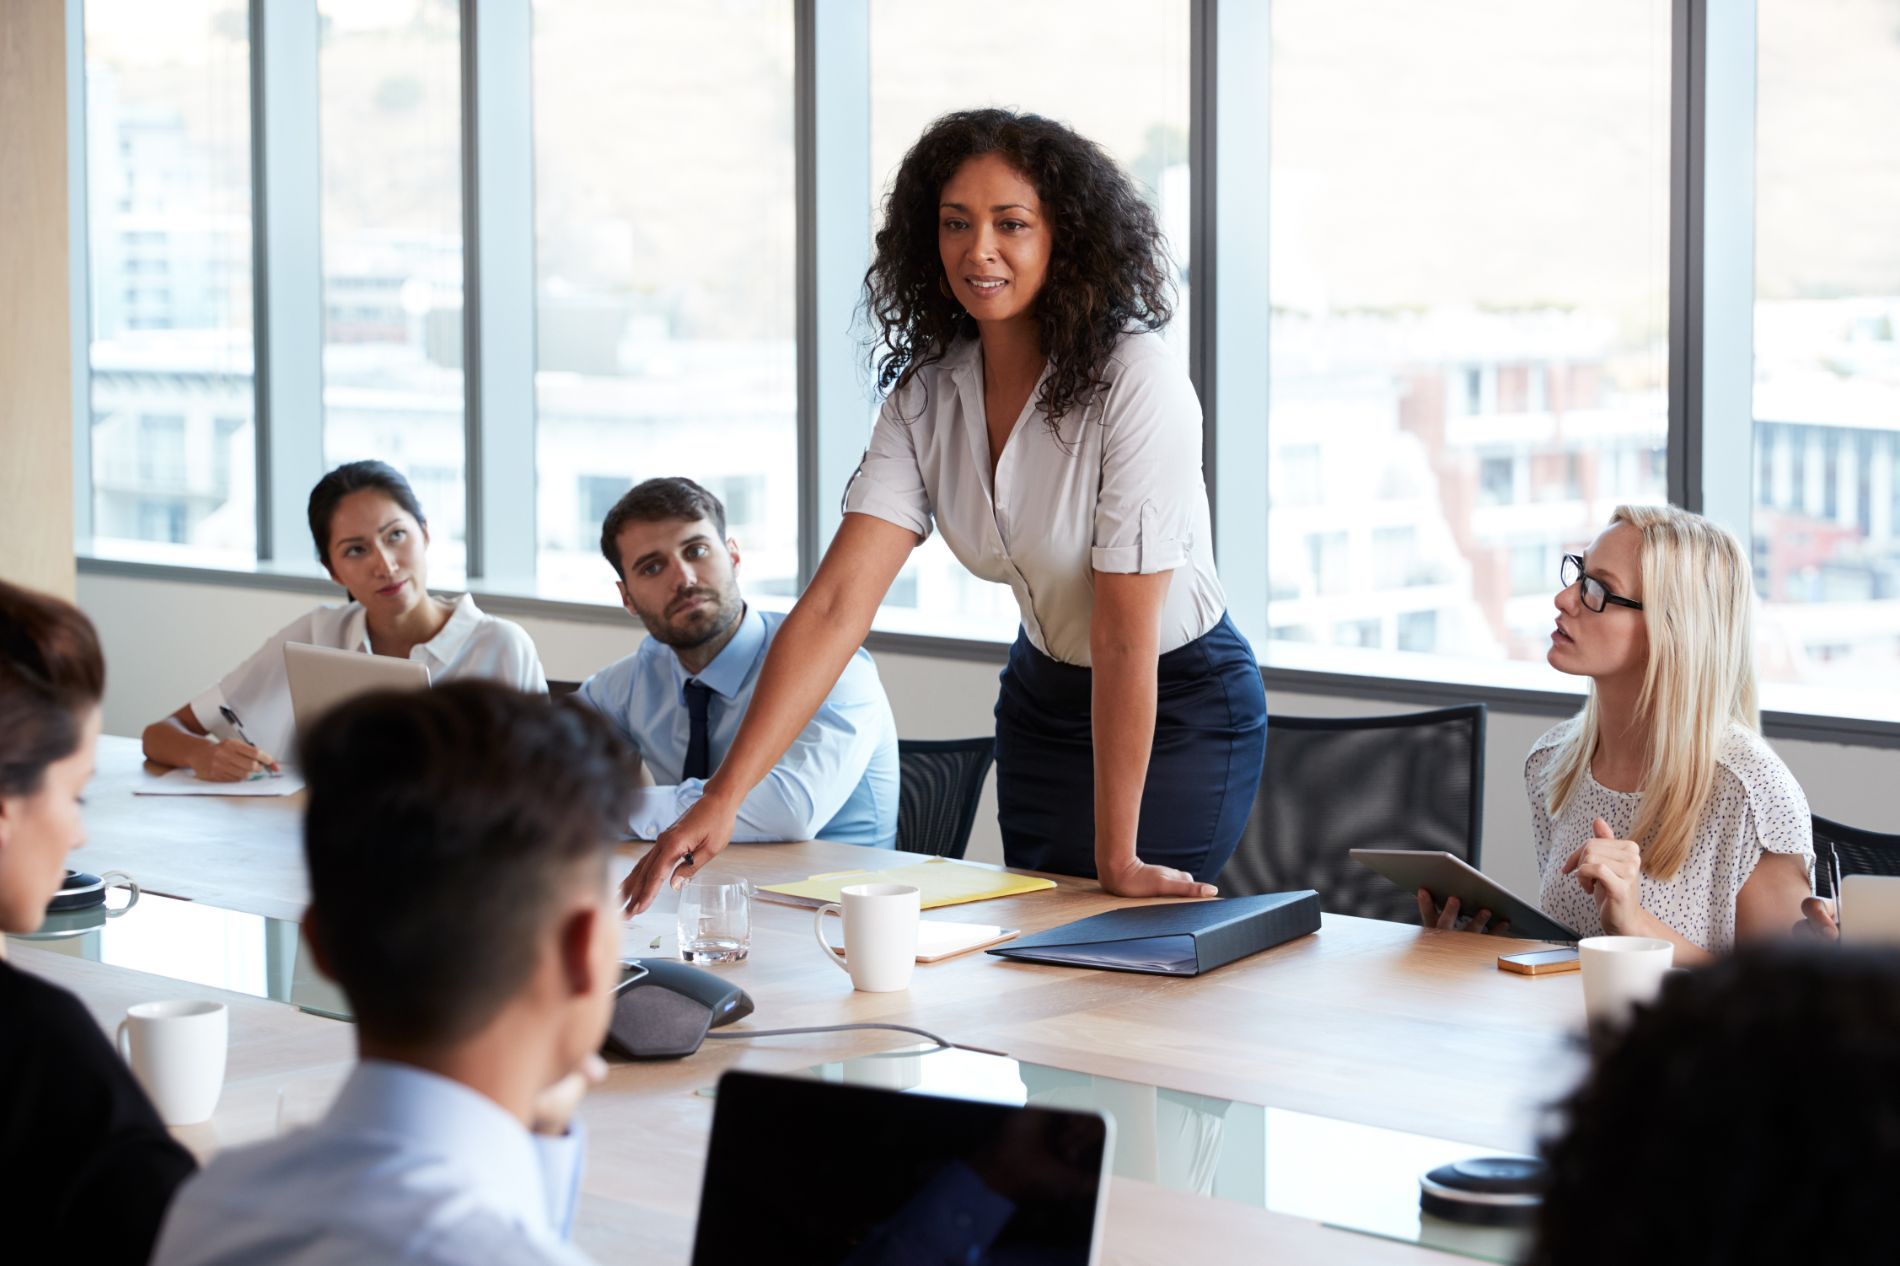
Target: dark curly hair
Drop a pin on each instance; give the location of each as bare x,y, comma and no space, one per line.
1744,1118
1108,266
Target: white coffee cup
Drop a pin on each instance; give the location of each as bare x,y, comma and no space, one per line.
1621,973
176,1050
880,935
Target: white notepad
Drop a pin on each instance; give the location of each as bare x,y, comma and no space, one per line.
938,940
183,782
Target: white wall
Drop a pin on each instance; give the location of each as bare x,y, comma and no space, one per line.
164,641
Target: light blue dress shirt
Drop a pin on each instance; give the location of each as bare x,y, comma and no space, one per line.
837,782
407,1167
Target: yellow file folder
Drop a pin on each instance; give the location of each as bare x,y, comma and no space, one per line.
940,881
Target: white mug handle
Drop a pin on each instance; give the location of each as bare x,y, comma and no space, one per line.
124,1040
818,930
119,879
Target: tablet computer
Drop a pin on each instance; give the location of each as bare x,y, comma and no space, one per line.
322,677
1445,875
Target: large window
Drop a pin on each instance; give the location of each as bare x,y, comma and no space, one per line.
169,243
1469,262
665,273
389,110
1115,70
1827,343
1439,237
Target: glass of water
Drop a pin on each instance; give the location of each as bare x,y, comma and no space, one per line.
715,920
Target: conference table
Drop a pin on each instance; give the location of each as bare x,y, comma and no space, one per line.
1349,1046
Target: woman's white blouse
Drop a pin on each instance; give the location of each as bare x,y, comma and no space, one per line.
1119,490
471,644
1756,807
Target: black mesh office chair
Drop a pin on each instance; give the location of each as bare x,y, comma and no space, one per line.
558,688
1337,783
1861,853
939,783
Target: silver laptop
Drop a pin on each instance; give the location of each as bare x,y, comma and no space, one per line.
1870,909
819,1172
322,677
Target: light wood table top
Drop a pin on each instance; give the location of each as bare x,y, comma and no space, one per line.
237,852
1369,1022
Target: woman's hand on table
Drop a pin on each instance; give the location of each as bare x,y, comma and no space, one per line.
1132,877
1447,917
230,760
682,850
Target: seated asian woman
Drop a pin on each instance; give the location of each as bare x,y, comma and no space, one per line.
372,538
1659,810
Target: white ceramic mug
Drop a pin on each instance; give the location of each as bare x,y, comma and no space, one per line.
1621,973
176,1050
880,935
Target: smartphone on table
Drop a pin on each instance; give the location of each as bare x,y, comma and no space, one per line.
1540,962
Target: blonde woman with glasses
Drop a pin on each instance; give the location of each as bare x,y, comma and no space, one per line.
1658,810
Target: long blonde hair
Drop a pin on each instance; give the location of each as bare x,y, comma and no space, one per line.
1698,611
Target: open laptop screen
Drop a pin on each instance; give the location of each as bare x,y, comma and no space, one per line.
811,1171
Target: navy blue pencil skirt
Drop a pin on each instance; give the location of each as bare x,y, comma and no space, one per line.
1210,742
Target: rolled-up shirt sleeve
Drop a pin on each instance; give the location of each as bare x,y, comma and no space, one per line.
888,483
1151,472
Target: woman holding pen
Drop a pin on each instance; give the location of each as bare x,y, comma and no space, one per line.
372,538
1037,420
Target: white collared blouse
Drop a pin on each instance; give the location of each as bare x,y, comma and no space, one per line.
471,644
1119,489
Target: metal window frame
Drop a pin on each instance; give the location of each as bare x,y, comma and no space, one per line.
286,269
498,288
832,158
1712,261
1229,331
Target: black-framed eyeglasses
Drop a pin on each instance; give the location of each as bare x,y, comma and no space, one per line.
1595,594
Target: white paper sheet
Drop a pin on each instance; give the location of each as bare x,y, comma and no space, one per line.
183,782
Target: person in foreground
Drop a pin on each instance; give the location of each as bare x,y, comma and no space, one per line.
1659,810
372,538
457,842
1037,419
680,697
1751,1115
78,1139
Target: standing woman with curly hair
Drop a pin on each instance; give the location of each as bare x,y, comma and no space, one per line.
1037,420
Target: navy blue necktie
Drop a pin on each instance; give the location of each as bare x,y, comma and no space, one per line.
698,744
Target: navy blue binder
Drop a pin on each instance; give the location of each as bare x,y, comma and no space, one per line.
1183,938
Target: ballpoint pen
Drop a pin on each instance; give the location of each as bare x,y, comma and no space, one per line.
1834,881
224,710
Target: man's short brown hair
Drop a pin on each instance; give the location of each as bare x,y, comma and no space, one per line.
656,501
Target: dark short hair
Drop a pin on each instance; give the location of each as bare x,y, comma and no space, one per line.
656,501
1108,263
51,675
442,828
1749,1114
356,477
